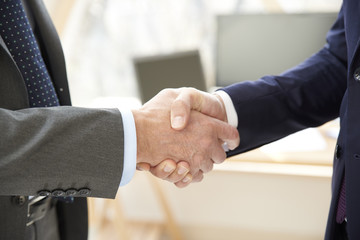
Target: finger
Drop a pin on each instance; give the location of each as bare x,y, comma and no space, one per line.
196,163
181,170
143,166
193,99
180,111
218,154
198,177
185,181
164,169
225,146
206,165
227,133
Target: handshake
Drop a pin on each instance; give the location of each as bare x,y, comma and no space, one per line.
181,133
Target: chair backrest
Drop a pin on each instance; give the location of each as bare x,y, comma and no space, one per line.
182,69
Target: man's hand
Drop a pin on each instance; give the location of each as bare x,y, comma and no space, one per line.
192,99
199,143
169,170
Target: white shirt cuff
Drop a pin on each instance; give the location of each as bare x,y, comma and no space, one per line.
231,114
129,166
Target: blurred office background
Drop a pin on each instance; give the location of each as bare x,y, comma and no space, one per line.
280,192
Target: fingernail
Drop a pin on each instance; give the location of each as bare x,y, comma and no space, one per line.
186,179
139,168
225,146
182,170
168,168
177,122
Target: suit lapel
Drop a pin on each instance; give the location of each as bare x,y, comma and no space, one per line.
51,49
3,45
13,93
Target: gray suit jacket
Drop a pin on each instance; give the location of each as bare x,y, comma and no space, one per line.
48,149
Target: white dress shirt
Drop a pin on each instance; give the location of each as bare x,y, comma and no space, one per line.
129,147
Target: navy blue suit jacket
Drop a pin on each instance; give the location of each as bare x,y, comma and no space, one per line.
325,86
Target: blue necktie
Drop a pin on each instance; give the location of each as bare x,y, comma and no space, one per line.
19,38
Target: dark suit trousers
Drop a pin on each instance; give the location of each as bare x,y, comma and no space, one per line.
342,231
44,229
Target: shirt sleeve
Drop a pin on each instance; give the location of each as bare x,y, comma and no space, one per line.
231,114
130,147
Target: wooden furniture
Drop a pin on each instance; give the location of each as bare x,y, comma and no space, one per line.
107,220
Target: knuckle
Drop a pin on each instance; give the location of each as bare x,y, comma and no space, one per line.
207,166
210,167
207,143
234,133
171,178
222,156
196,162
168,92
165,91
200,177
163,176
219,160
180,102
188,89
181,184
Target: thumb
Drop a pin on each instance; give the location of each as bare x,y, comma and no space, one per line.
180,112
227,134
193,99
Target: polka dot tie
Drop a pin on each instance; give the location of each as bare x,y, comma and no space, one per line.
19,38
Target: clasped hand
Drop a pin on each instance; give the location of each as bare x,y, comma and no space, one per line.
180,133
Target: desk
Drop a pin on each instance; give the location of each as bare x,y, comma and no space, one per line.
302,163
254,195
320,157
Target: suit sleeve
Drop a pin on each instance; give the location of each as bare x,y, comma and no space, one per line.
307,95
61,148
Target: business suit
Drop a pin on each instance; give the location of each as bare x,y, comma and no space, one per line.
323,87
44,150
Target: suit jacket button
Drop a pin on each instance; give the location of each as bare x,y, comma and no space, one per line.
58,193
357,75
44,193
71,192
19,200
84,192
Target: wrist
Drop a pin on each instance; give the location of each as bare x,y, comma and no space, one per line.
140,141
222,106
230,111
151,129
